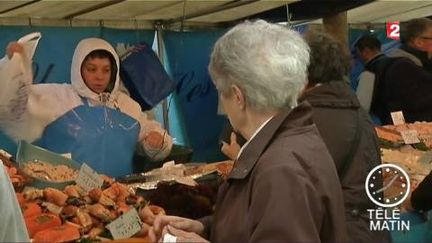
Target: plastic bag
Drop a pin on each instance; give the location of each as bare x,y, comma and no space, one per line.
16,76
145,77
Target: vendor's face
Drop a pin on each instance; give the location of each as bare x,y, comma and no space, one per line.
96,73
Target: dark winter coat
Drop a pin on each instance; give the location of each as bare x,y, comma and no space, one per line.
283,188
351,140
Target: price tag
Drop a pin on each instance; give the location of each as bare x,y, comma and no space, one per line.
88,178
410,136
393,30
397,117
126,225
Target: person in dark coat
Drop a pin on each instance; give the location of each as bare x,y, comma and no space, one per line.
421,197
407,81
346,129
416,39
370,89
417,46
284,185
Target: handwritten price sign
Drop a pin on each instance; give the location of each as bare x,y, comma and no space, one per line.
397,117
126,225
393,30
410,136
88,178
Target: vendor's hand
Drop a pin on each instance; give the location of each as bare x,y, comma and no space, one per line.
154,140
13,47
232,149
161,221
181,235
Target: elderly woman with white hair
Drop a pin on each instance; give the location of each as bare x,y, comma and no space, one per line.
283,186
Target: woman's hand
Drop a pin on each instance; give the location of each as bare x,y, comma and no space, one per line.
181,235
183,224
232,149
154,140
13,47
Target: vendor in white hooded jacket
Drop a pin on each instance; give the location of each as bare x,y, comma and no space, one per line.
89,118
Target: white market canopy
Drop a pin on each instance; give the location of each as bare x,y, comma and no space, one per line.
144,14
379,12
130,13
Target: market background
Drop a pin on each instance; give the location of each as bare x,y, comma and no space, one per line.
187,30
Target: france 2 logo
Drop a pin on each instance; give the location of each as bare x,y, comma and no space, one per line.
393,30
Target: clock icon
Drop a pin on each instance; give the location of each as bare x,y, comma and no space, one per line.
395,185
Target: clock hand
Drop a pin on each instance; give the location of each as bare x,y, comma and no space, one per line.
389,184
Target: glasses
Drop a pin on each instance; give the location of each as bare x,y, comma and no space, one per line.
426,38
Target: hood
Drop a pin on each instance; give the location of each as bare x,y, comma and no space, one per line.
402,53
83,48
336,94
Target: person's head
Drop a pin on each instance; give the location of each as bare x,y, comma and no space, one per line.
417,33
94,68
329,59
258,67
367,47
99,71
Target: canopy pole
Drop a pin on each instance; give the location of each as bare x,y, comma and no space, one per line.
161,52
337,25
183,17
289,16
